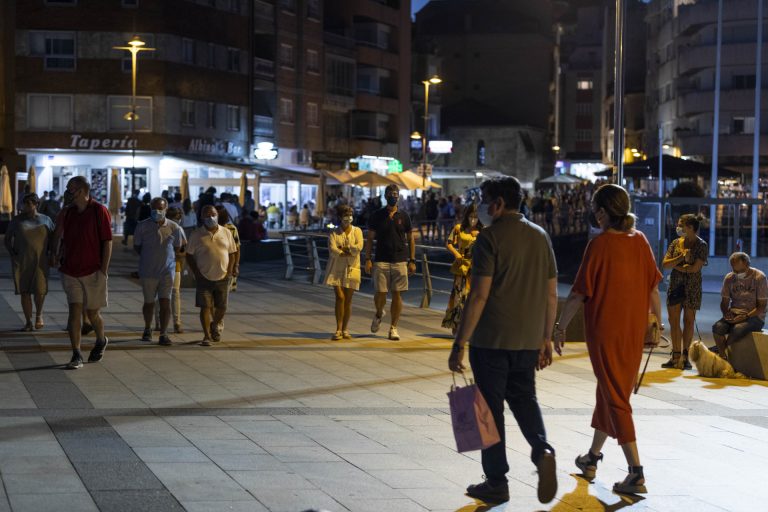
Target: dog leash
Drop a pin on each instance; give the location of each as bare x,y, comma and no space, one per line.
640,380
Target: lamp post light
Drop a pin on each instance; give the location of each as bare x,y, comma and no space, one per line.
432,81
135,45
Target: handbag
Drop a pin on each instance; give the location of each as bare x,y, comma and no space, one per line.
473,425
353,273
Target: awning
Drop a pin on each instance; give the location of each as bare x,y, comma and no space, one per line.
266,172
672,168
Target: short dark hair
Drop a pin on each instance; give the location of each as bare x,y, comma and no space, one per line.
82,183
692,220
344,210
391,188
509,189
31,197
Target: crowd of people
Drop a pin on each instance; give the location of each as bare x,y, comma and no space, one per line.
503,306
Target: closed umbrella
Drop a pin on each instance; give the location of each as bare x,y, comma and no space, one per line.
320,200
184,185
243,188
115,198
6,201
32,179
256,191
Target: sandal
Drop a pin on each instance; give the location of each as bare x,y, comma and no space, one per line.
673,361
27,327
633,484
39,323
588,464
336,336
346,335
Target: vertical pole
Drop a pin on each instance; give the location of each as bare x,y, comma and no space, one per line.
618,92
134,55
661,161
426,127
558,31
716,131
756,149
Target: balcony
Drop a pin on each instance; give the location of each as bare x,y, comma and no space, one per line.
696,58
729,145
263,17
704,101
263,68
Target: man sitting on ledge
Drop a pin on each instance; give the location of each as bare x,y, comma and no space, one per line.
744,299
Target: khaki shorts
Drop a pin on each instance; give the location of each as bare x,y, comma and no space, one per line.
390,277
159,287
90,290
212,294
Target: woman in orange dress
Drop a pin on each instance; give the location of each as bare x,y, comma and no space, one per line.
618,285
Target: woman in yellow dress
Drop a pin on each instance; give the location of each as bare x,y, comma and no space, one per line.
343,271
460,244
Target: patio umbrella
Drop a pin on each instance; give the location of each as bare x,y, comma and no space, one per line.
6,201
243,188
115,198
184,185
343,176
370,179
412,181
32,179
320,200
561,179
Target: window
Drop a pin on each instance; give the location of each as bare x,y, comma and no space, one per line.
187,51
130,3
233,118
286,111
583,135
58,49
340,76
313,114
743,125
584,85
233,60
313,9
584,109
743,82
313,61
288,6
212,55
187,113
210,118
286,56
262,126
233,6
49,112
120,106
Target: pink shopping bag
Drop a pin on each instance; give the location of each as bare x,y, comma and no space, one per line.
473,425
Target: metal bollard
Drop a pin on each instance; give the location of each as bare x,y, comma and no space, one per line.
426,299
288,258
316,270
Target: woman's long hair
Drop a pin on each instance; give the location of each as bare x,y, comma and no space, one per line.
469,211
615,201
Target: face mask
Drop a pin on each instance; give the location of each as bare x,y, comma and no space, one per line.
391,201
211,222
593,220
680,231
741,275
483,215
346,221
158,215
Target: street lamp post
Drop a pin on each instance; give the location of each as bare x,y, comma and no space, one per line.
432,81
135,45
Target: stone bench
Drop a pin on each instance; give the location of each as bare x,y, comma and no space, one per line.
749,355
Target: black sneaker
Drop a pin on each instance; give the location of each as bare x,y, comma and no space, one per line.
86,329
673,360
75,363
97,353
215,335
686,362
489,493
165,340
146,335
546,467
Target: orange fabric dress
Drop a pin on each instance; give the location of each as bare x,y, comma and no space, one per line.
616,276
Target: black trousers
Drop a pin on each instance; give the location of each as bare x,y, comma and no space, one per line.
509,375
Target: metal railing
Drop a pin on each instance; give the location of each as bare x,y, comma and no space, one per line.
311,250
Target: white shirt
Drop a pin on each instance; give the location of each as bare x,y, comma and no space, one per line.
212,251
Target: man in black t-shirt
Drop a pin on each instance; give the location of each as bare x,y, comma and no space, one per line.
395,257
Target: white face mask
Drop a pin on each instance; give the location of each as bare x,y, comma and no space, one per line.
680,231
346,221
483,215
741,275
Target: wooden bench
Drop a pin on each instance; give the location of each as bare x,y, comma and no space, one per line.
749,355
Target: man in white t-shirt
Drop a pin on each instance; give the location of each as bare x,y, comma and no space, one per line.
210,254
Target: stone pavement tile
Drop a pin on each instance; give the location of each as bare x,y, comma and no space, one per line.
276,439
293,500
60,480
368,461
37,448
15,429
341,479
303,454
247,462
146,500
171,454
228,447
82,502
257,481
224,506
198,482
440,499
121,475
369,505
98,449
411,479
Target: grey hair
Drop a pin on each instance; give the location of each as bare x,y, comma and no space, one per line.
739,256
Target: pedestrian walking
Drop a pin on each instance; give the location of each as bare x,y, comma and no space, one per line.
227,222
210,255
391,229
618,285
343,271
132,208
686,256
460,244
176,215
158,240
86,252
28,241
508,323
50,207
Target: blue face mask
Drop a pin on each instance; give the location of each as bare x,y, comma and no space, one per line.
211,222
158,215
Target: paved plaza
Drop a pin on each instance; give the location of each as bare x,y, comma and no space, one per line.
277,417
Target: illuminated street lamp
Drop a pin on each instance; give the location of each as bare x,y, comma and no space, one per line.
435,80
135,45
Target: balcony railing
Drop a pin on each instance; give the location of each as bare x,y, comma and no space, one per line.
263,68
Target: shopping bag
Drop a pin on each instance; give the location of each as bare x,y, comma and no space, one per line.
473,425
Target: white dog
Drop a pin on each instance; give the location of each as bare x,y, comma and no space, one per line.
710,364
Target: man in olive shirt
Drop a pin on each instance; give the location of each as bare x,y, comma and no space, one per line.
509,318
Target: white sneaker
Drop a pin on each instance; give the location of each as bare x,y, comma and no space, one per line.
393,334
376,322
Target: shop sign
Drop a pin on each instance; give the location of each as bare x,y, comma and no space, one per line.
77,141
215,147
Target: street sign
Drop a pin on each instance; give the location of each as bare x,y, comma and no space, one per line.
394,166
